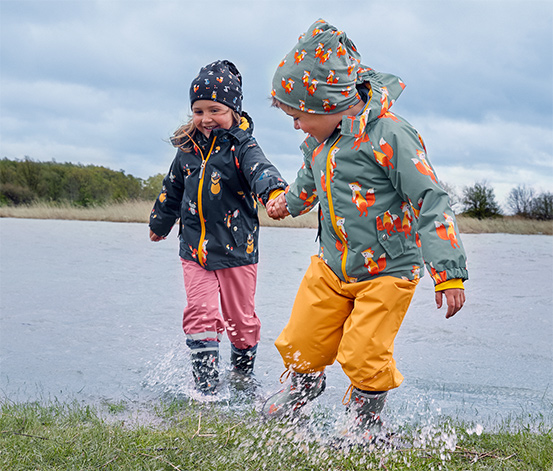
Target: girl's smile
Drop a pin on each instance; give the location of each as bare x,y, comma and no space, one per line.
209,115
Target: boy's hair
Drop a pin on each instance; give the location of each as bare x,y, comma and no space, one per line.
275,103
183,137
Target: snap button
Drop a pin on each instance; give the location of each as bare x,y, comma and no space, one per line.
234,228
385,237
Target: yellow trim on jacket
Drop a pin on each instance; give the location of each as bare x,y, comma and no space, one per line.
450,284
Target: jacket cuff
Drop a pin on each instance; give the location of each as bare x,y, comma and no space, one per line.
274,193
450,284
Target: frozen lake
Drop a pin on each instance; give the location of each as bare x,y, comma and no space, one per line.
92,311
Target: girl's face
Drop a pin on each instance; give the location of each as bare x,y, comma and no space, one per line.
209,115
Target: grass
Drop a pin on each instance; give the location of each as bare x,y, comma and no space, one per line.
139,211
130,211
190,436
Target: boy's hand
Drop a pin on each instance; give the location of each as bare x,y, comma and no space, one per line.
276,208
154,237
455,298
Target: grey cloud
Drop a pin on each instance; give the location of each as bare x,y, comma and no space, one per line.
108,80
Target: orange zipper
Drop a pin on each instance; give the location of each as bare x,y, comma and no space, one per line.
337,230
201,257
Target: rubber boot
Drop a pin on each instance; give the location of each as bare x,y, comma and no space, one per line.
303,387
242,361
241,375
365,408
205,369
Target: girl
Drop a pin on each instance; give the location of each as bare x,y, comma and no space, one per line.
212,186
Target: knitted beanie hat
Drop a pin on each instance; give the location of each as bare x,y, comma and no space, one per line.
219,81
319,74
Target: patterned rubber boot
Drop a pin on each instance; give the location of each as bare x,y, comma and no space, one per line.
242,361
241,375
365,407
303,387
205,369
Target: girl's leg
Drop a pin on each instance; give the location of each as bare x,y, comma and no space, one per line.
237,288
201,320
202,325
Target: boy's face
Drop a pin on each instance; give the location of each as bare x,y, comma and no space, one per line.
320,126
209,115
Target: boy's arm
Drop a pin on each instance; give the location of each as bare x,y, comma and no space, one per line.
301,196
415,180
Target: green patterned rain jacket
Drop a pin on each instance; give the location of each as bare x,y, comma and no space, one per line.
382,209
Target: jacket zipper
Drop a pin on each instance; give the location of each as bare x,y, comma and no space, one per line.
337,230
200,206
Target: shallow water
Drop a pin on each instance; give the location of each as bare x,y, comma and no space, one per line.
92,311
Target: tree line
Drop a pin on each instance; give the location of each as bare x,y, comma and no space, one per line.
27,181
478,201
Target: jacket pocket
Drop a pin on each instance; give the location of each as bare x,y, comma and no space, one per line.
236,228
392,241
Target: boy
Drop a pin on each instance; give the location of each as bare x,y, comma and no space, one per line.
381,212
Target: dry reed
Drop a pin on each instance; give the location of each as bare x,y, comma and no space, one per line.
139,211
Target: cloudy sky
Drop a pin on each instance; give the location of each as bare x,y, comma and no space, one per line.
106,82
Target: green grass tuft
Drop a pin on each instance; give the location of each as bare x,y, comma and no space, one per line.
189,436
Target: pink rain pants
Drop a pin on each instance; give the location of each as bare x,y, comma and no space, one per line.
235,289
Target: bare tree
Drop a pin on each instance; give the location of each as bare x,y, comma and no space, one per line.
542,207
520,200
454,199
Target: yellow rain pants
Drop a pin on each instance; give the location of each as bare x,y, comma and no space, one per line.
355,323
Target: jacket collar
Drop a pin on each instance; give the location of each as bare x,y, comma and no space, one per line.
240,133
385,89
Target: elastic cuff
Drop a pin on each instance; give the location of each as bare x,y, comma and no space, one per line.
450,284
274,193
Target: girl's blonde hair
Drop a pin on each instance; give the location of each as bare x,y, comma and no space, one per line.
183,137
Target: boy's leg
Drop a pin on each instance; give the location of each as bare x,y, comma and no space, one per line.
202,324
366,351
367,347
310,340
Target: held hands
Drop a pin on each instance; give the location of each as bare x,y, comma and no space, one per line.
455,298
276,208
154,237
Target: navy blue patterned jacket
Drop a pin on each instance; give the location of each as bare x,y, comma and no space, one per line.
214,190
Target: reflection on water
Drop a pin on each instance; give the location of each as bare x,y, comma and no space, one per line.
92,311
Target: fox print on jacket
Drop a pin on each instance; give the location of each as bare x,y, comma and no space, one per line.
382,209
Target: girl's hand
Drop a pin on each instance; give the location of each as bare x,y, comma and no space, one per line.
154,237
455,299
276,208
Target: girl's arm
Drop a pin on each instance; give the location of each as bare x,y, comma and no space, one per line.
166,209
262,176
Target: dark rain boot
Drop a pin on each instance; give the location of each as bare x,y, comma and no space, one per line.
242,361
205,369
365,407
303,387
241,374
